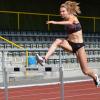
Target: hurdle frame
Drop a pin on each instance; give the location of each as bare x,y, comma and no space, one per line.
5,71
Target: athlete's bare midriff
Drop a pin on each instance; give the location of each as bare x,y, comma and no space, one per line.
76,37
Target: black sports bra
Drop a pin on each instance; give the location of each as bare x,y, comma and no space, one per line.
71,28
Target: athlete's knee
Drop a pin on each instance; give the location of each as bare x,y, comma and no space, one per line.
58,42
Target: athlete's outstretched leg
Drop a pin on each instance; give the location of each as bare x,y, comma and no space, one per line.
57,43
53,47
51,50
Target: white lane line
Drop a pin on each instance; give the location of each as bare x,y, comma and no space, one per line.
44,84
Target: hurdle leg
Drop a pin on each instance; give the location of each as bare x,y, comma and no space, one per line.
61,76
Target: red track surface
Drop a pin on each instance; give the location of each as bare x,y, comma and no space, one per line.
73,91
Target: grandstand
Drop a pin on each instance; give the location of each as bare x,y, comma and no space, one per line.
42,40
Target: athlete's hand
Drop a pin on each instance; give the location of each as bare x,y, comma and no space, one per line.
51,22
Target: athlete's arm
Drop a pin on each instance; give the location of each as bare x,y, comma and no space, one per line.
60,22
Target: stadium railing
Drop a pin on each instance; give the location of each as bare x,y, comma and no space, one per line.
32,21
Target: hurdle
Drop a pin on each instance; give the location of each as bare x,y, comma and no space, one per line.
6,70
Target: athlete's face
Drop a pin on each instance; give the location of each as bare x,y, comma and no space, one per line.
63,12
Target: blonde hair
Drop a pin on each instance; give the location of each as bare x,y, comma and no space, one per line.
72,7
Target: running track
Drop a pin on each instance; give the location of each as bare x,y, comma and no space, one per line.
73,91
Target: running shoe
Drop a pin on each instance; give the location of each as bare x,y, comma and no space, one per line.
40,60
97,81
